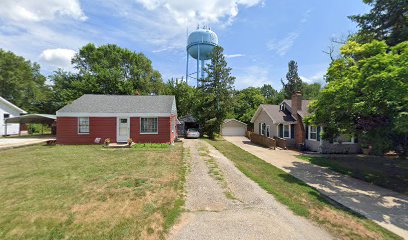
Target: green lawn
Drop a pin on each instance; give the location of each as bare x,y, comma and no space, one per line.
89,192
300,198
391,173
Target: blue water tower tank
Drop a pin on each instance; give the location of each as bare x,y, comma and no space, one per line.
200,43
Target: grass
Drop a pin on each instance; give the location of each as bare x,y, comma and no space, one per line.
391,173
151,145
215,172
89,192
300,198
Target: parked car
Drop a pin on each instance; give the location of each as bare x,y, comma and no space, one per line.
192,133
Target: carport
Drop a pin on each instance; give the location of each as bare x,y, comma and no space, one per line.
43,119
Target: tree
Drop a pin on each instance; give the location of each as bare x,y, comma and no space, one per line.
366,95
387,20
246,102
311,91
107,69
22,83
294,82
215,93
186,99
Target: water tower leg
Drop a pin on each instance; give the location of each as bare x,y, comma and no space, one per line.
187,69
202,68
198,64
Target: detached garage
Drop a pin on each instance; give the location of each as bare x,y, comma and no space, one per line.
233,127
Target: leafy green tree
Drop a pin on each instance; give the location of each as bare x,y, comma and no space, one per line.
269,93
387,20
294,83
367,95
311,91
107,69
246,102
215,93
22,83
186,98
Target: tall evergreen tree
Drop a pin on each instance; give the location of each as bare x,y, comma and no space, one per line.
294,82
387,20
215,93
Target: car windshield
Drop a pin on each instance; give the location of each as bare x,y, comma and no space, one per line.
192,130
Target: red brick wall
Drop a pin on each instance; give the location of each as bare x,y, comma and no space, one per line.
99,127
163,136
105,127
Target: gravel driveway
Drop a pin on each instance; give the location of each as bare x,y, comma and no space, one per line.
222,203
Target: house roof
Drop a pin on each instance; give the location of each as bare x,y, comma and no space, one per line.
274,113
102,105
233,120
305,103
9,104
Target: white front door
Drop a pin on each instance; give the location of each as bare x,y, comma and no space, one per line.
123,129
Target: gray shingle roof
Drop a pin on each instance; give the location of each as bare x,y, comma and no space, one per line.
92,103
304,112
278,115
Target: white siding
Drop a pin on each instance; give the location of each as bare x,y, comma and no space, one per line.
12,129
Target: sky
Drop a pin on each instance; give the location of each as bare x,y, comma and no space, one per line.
259,37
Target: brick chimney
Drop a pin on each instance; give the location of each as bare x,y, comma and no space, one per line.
300,132
296,101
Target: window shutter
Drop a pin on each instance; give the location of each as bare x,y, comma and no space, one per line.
292,131
307,132
259,129
318,133
280,130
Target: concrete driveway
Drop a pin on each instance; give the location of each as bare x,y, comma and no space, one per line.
385,207
222,203
14,142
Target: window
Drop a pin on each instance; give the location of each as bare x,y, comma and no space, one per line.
6,115
148,125
286,131
267,130
83,125
263,129
313,132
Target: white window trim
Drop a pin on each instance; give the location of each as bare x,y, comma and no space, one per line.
268,128
89,126
140,126
283,131
309,133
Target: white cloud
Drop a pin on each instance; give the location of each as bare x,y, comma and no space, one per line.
185,12
318,77
281,47
36,11
58,57
233,55
252,76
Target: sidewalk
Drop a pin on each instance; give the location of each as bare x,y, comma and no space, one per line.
15,142
385,207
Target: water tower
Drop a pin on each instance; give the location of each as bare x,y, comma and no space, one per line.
200,44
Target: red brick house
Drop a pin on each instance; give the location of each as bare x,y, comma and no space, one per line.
145,119
286,121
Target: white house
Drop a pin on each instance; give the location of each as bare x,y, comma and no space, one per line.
8,110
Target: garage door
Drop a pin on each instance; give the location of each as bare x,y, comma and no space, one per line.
233,131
